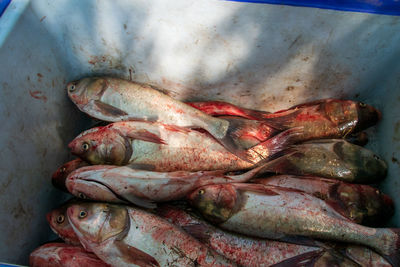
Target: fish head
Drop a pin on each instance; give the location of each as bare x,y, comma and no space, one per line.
215,202
365,204
367,116
102,145
86,89
60,225
59,176
96,223
363,162
82,183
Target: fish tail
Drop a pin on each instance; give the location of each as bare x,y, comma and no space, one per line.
390,250
228,133
236,127
267,150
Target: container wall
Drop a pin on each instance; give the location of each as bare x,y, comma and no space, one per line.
259,56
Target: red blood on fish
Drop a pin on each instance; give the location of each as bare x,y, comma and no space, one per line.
63,255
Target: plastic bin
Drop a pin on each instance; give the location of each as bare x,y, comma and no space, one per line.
259,56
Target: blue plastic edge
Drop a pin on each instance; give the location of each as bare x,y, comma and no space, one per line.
3,6
386,7
8,265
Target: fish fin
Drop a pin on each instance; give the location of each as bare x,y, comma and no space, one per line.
281,121
394,257
303,260
266,150
142,166
174,128
145,135
144,203
198,231
231,138
257,188
135,256
220,108
108,110
312,103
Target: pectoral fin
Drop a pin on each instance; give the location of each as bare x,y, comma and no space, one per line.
107,109
145,135
103,111
139,201
135,256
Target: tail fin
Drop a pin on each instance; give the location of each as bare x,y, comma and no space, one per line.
267,149
232,140
392,255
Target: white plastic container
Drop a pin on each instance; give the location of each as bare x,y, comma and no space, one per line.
259,56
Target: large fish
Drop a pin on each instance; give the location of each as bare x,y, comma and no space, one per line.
243,250
330,158
286,214
63,255
143,188
362,204
60,225
325,118
59,176
127,236
160,147
113,99
265,130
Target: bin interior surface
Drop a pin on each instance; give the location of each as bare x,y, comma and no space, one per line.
259,56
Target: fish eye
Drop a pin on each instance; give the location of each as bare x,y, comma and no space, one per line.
376,157
201,191
82,214
60,219
363,105
85,146
71,87
63,169
82,195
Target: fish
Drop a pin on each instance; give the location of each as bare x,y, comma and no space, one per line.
362,204
113,99
60,225
243,250
161,147
143,188
329,158
128,236
265,130
287,215
324,118
63,255
220,108
59,176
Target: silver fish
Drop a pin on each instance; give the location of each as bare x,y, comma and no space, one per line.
113,99
128,236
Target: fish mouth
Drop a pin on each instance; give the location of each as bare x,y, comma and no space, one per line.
367,117
58,181
48,218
